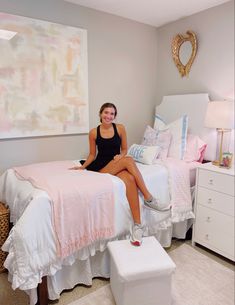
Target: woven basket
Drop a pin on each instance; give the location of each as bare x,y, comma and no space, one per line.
4,231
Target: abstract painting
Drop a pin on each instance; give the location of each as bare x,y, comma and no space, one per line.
43,78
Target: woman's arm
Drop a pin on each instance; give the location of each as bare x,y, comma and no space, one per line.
123,137
92,149
122,133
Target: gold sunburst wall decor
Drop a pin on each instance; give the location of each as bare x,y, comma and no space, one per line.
177,43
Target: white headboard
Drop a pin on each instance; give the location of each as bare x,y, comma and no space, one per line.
173,107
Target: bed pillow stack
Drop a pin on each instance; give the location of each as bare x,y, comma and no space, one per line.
184,145
168,140
178,130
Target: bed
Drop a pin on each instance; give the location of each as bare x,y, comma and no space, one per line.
33,263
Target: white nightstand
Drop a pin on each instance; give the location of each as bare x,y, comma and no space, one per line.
214,209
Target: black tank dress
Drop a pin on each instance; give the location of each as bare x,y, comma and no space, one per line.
107,149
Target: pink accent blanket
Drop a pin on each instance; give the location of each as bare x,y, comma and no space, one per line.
179,184
82,202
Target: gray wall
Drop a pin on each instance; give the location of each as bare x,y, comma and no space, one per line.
213,69
131,64
121,68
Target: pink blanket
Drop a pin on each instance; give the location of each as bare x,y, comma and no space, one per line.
82,202
179,183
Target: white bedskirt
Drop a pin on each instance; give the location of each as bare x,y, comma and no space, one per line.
83,271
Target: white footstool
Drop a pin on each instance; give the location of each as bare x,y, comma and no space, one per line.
140,275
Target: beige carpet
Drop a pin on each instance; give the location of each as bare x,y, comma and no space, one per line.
198,280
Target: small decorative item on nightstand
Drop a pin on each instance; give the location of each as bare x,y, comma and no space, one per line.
227,158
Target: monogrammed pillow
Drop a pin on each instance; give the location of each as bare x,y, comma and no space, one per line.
144,154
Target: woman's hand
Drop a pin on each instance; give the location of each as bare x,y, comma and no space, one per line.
118,157
77,167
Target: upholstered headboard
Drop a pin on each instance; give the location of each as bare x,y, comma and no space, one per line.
173,107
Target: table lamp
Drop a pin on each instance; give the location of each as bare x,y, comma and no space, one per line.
220,115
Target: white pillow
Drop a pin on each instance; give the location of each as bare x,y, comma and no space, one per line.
144,154
159,123
178,129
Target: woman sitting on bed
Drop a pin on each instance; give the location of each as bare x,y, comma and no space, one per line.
111,142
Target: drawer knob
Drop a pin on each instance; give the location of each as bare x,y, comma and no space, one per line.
211,182
209,200
207,236
208,219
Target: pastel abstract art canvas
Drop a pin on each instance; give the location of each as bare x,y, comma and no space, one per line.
43,78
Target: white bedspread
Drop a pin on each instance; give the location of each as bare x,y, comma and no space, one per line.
31,243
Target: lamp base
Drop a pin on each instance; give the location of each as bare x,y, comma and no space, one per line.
216,163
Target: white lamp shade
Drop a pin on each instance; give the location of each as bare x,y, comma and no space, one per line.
220,114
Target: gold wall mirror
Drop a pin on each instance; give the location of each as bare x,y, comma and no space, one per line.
184,49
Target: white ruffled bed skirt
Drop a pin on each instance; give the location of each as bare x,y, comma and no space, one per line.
83,271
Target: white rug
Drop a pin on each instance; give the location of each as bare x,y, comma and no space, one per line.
198,280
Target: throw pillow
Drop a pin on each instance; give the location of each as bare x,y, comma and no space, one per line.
144,154
178,129
162,138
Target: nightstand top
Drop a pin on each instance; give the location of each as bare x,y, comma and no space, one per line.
217,169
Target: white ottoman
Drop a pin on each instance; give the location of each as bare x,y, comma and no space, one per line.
140,275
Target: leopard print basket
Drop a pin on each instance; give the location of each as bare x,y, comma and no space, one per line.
4,231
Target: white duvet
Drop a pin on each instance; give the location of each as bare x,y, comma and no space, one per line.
31,243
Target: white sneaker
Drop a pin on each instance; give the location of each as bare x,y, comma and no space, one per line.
154,204
136,234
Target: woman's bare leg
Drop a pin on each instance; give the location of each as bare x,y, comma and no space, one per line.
127,163
132,194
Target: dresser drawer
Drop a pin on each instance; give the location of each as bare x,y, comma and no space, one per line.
216,181
217,243
215,230
218,201
214,221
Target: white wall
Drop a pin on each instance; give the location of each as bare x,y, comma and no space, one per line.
213,69
121,68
